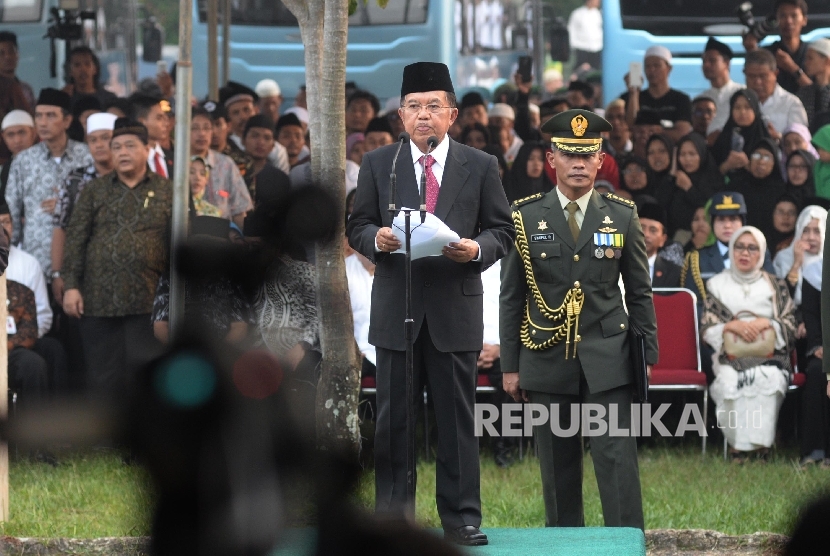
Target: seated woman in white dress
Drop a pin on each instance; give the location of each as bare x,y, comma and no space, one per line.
744,302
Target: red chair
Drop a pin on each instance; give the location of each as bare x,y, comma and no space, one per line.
678,369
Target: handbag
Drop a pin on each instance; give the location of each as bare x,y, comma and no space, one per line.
736,347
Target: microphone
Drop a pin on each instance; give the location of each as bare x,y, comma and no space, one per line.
393,178
432,142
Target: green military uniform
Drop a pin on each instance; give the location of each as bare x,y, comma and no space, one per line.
565,330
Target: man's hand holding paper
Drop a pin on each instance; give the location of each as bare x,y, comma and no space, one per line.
432,238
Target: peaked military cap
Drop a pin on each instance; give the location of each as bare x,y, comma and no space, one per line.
727,203
422,77
577,131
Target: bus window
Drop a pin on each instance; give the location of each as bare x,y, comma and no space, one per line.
690,17
20,11
274,13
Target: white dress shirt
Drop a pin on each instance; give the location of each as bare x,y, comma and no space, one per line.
651,260
783,109
24,269
491,279
721,96
585,29
439,154
152,160
360,292
724,249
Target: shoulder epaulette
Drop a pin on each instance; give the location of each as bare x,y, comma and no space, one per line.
620,200
526,200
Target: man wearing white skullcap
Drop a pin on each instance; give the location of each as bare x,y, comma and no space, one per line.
270,98
99,129
816,96
18,130
503,117
673,107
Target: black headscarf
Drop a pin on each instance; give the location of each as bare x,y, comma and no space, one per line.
642,163
656,178
517,184
475,126
777,240
807,190
760,195
752,133
706,181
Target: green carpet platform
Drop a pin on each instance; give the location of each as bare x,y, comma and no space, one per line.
572,541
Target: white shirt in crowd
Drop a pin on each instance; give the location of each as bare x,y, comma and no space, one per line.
724,250
24,269
491,278
360,291
585,29
651,260
721,96
783,109
157,150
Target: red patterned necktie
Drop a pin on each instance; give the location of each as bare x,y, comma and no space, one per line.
432,183
161,169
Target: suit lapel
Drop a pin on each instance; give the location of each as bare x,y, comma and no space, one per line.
592,221
453,180
407,189
555,218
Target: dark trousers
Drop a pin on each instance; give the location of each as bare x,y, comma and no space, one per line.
452,381
28,376
115,349
615,463
593,59
57,367
814,409
67,331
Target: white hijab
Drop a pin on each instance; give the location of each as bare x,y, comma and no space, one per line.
784,259
752,276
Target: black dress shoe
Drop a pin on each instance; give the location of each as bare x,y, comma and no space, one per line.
468,535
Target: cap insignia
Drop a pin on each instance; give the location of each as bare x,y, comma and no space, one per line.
579,125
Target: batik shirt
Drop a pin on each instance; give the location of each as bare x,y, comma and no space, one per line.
69,193
226,189
117,244
33,178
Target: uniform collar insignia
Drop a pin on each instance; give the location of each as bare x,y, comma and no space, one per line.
543,225
607,220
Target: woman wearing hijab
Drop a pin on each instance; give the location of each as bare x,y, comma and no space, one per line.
799,176
807,247
744,121
761,184
796,137
475,135
821,170
634,176
745,304
784,216
815,406
695,179
527,175
659,152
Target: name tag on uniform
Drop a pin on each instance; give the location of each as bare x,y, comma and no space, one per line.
541,237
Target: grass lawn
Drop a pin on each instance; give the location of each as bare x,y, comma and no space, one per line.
95,495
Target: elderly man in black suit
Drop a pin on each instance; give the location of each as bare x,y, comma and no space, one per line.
653,218
463,190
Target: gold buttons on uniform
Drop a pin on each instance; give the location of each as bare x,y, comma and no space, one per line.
576,258
544,255
533,332
622,326
578,338
576,284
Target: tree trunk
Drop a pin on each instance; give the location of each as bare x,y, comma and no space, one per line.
324,29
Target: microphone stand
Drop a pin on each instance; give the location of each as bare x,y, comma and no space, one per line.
409,333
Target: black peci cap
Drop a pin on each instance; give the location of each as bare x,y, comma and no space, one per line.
422,77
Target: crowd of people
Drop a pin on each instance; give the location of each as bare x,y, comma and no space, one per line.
732,188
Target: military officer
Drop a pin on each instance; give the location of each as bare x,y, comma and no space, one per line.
563,326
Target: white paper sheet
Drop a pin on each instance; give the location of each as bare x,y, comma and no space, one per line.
428,239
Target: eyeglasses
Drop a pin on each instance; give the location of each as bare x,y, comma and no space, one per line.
784,212
414,108
763,157
751,249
